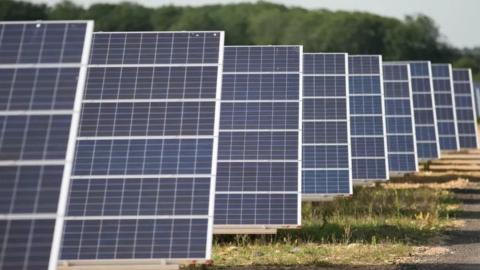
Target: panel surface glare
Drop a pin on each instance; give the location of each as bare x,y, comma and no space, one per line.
144,167
401,146
40,72
367,119
258,175
425,116
465,108
326,146
445,106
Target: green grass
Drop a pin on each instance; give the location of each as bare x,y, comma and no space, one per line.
381,223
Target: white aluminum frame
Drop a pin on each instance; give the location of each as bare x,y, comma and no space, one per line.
429,77
412,118
324,196
54,260
474,109
450,80
259,227
69,157
384,135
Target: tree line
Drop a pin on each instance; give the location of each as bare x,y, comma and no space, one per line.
412,38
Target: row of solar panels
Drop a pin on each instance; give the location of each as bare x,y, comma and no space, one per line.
137,146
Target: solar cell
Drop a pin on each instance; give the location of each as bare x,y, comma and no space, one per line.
367,119
326,144
258,177
401,143
445,107
143,177
41,67
465,108
425,116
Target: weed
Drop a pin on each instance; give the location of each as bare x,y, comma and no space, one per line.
374,220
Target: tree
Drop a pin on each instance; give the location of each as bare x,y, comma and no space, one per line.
120,17
19,10
164,17
413,38
66,9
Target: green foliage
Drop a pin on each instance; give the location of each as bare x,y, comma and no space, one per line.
414,38
13,10
66,9
120,17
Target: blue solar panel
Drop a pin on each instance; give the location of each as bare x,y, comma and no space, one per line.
426,133
145,161
367,119
401,143
258,176
465,108
445,106
326,145
40,72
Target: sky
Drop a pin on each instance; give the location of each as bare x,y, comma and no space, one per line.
458,20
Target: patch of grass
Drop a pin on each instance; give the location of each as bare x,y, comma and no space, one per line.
381,223
283,254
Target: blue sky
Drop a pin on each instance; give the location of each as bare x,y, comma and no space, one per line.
458,20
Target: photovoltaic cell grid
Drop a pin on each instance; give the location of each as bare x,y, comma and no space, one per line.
326,144
367,119
258,176
445,106
465,108
401,145
143,178
40,70
425,117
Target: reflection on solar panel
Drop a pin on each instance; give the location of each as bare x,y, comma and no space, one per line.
444,106
143,177
424,114
401,145
326,141
465,108
367,120
40,72
258,179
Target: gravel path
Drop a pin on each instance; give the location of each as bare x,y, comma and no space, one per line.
463,243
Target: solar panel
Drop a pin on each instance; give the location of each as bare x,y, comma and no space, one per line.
42,65
401,144
425,116
444,106
326,141
367,119
258,177
465,108
144,171
476,91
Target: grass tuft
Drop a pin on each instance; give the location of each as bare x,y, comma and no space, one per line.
376,224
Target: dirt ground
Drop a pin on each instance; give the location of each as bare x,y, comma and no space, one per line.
459,249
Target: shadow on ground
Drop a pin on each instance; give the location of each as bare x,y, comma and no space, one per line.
432,267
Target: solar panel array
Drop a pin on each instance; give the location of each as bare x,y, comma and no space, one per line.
367,120
465,108
326,141
445,106
40,71
424,111
143,176
135,145
258,176
401,144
